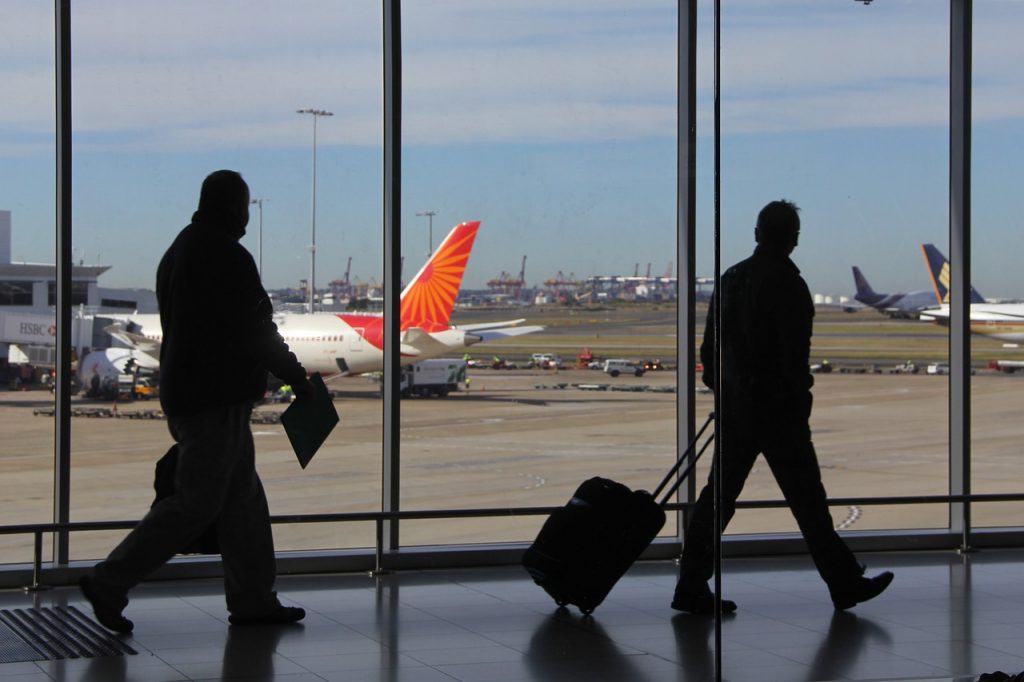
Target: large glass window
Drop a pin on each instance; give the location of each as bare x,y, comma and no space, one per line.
79,293
15,293
843,109
164,95
554,126
27,218
996,388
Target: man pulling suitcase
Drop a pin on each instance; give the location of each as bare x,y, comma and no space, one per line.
765,403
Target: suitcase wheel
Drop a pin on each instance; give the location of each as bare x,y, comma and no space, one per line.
561,603
586,612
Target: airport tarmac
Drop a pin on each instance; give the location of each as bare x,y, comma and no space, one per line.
524,438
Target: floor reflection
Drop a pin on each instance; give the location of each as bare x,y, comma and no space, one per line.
250,651
948,618
693,635
568,646
848,634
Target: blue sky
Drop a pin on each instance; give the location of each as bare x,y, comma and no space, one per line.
552,122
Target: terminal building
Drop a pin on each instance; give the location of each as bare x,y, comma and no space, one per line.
28,297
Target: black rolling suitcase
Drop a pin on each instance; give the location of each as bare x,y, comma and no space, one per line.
586,546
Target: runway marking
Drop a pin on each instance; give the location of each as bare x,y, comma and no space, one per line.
538,481
852,517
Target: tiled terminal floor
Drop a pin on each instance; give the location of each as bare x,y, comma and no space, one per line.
945,618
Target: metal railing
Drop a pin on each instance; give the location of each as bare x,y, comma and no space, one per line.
38,530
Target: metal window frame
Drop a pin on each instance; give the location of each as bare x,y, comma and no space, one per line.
62,413
960,59
388,533
686,238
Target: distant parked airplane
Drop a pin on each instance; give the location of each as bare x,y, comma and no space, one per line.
938,271
893,305
351,343
1004,321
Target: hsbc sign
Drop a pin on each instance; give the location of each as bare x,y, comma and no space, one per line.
39,329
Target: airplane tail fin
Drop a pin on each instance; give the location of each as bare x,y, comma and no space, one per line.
428,299
938,270
863,288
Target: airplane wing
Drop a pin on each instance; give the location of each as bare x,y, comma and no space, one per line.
489,331
136,341
490,325
416,342
502,333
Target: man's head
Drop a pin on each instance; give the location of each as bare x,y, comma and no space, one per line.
778,226
224,199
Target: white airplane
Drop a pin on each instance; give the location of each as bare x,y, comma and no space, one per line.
342,344
1003,321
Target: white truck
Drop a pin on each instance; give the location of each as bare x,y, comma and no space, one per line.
545,361
433,377
616,366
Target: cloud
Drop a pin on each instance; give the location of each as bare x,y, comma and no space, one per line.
196,75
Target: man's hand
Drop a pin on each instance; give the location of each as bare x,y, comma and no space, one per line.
304,391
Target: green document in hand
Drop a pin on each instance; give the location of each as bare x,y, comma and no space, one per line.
309,422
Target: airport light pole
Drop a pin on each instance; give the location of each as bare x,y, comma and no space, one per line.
316,113
430,230
259,243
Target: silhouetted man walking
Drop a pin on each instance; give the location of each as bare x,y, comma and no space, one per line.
208,287
767,315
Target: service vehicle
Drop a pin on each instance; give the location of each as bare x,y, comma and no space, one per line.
124,387
1008,366
433,377
146,388
616,366
908,367
942,368
545,361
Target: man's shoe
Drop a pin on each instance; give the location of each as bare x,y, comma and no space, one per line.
863,589
282,615
701,601
106,612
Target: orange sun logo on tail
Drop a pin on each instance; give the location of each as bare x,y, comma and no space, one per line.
428,300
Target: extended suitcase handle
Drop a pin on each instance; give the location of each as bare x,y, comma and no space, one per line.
679,462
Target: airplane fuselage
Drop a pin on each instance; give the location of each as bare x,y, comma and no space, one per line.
1003,321
342,343
353,343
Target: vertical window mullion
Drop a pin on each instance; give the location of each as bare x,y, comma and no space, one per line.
959,260
62,426
392,267
686,220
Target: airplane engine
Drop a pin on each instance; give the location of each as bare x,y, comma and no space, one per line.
456,338
112,362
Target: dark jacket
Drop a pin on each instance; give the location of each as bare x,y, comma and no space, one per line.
219,337
767,318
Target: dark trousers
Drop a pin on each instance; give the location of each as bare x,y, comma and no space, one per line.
215,483
781,432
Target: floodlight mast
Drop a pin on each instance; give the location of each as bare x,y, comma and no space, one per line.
259,247
430,230
316,113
